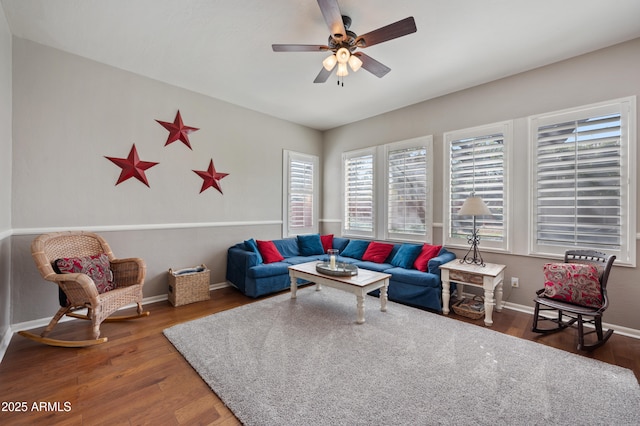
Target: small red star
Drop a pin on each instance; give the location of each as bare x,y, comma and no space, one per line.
178,131
211,177
132,166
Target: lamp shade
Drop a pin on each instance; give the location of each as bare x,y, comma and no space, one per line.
474,206
355,63
343,55
342,70
330,62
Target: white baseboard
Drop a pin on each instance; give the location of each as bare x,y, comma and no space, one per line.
28,325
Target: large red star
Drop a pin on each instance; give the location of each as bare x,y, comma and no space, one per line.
132,166
178,131
211,178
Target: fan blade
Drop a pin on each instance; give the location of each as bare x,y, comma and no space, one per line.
374,67
322,76
389,32
299,47
332,16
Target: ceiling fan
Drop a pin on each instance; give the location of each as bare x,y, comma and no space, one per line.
343,43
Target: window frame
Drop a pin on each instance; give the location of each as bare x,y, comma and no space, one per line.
380,197
288,158
426,143
346,231
506,129
626,107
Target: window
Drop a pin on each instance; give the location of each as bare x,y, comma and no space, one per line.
301,200
408,195
359,197
476,162
395,203
581,179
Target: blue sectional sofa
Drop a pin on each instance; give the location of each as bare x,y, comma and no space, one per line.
247,270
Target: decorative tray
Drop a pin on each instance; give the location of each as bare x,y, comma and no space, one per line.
342,269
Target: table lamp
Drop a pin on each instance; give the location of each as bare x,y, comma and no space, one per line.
473,206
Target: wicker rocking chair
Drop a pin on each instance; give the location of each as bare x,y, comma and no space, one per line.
79,288
577,313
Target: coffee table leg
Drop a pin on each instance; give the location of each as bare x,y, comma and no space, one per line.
294,284
360,303
383,296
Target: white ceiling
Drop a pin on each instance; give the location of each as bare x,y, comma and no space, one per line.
222,48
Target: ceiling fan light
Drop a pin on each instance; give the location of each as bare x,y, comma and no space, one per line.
343,55
330,62
342,70
355,63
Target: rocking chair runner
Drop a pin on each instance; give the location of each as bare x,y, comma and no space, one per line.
80,289
577,312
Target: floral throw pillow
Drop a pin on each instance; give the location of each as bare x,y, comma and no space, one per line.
97,267
573,282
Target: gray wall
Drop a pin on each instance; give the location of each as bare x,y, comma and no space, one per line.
5,173
70,112
603,75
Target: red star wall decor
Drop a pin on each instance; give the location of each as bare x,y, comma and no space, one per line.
178,131
211,178
132,166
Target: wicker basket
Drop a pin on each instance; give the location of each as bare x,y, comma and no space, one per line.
189,285
470,308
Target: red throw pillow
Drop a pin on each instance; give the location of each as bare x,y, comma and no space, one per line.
377,252
96,267
269,252
428,252
327,242
573,283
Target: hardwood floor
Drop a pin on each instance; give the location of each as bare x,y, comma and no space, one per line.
138,377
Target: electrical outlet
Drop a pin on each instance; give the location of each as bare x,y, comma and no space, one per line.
515,282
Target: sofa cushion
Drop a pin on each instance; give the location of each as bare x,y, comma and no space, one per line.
426,254
269,252
574,283
373,266
406,255
327,242
377,252
413,277
251,245
340,243
310,245
96,267
295,260
269,270
355,249
287,247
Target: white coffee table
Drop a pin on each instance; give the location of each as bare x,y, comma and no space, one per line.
361,284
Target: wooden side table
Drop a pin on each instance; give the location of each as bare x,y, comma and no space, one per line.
488,277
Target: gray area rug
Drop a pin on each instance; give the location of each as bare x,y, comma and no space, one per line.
306,362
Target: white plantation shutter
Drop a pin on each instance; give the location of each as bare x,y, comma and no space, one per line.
581,176
477,163
578,186
358,169
409,200
301,193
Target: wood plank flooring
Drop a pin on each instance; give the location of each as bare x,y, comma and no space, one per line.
138,377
